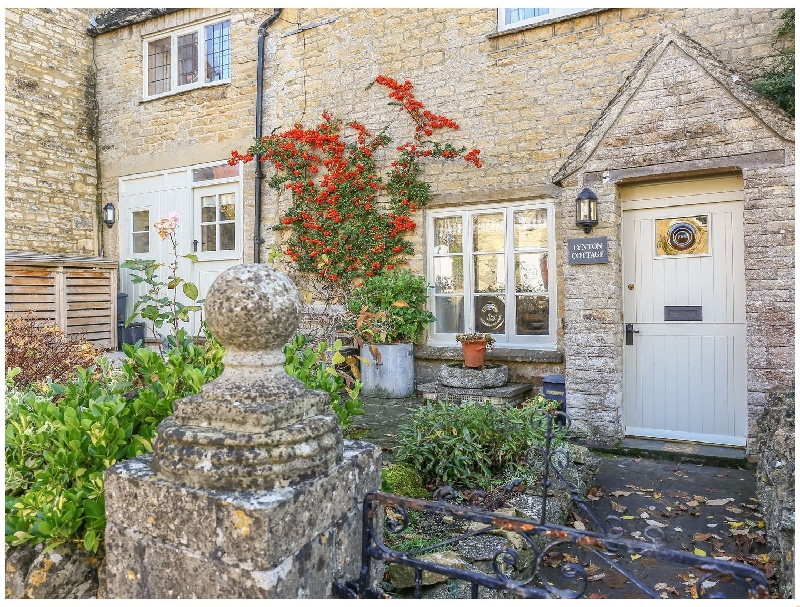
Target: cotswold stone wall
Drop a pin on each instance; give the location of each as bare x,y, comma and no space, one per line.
50,174
775,483
523,108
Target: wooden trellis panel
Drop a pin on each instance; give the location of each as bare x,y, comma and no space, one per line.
77,292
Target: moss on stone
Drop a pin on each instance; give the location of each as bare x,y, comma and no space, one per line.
405,480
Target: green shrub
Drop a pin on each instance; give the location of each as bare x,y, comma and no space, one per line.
775,80
471,443
59,442
404,479
311,365
390,307
41,350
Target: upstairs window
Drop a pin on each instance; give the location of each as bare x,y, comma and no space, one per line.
187,58
508,18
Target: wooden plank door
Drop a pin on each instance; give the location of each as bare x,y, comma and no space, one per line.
683,284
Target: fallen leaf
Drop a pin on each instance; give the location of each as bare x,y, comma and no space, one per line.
635,557
628,517
711,525
653,523
614,579
699,552
693,591
594,578
649,562
721,502
569,558
621,493
734,509
699,498
618,507
701,537
594,494
660,586
579,525
693,503
638,460
722,475
635,488
597,595
678,529
682,508
644,515
656,496
735,524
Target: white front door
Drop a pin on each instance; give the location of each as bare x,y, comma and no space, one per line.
684,308
208,199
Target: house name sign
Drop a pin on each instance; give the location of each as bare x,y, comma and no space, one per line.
587,250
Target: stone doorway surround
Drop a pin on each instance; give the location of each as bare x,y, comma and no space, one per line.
680,114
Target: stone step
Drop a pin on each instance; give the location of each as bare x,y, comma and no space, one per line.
510,394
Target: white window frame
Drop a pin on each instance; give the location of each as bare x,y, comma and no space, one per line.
554,13
150,232
509,339
199,29
214,188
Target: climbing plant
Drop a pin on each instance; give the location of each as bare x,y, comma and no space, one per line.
776,79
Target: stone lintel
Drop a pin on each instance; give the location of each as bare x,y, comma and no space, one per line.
510,394
514,355
688,167
166,540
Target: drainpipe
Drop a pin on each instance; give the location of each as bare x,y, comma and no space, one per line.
262,34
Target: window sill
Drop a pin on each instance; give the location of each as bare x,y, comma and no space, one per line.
210,85
517,355
559,19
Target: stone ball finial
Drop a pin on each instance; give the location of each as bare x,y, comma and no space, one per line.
252,307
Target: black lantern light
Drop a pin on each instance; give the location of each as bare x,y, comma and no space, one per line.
586,210
109,214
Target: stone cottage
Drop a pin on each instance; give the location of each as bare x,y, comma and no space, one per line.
670,312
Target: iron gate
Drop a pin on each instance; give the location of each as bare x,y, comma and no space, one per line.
604,546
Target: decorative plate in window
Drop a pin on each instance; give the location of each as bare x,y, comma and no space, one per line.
682,236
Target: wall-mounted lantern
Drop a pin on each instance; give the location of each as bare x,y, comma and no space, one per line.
586,210
109,214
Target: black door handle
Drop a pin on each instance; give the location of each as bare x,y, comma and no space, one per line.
629,331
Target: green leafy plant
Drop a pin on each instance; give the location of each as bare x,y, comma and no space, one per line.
389,308
40,350
776,79
472,443
316,367
487,337
160,303
60,441
404,480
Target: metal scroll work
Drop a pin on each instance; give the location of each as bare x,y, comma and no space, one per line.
531,558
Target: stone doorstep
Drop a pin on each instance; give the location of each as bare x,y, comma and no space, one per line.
510,394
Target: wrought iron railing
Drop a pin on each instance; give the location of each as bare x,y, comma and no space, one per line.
585,551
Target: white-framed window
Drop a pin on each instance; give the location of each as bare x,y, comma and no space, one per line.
187,58
218,222
140,231
493,271
516,17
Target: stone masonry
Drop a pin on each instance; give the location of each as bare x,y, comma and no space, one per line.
250,491
51,173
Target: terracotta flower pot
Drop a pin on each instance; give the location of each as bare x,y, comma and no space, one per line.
474,353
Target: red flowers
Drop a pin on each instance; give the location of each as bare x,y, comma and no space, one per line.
345,221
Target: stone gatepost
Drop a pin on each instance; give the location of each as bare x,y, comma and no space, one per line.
250,491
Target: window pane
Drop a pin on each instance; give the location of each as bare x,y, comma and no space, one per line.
227,207
490,314
449,313
216,172
490,273
489,232
158,66
141,242
227,236
209,208
218,51
519,14
187,58
141,221
530,272
449,274
209,235
682,236
447,235
530,229
533,315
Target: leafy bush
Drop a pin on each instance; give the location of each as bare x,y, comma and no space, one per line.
390,307
311,365
776,79
41,350
471,443
59,443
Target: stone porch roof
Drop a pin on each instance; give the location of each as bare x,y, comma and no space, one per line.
116,18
